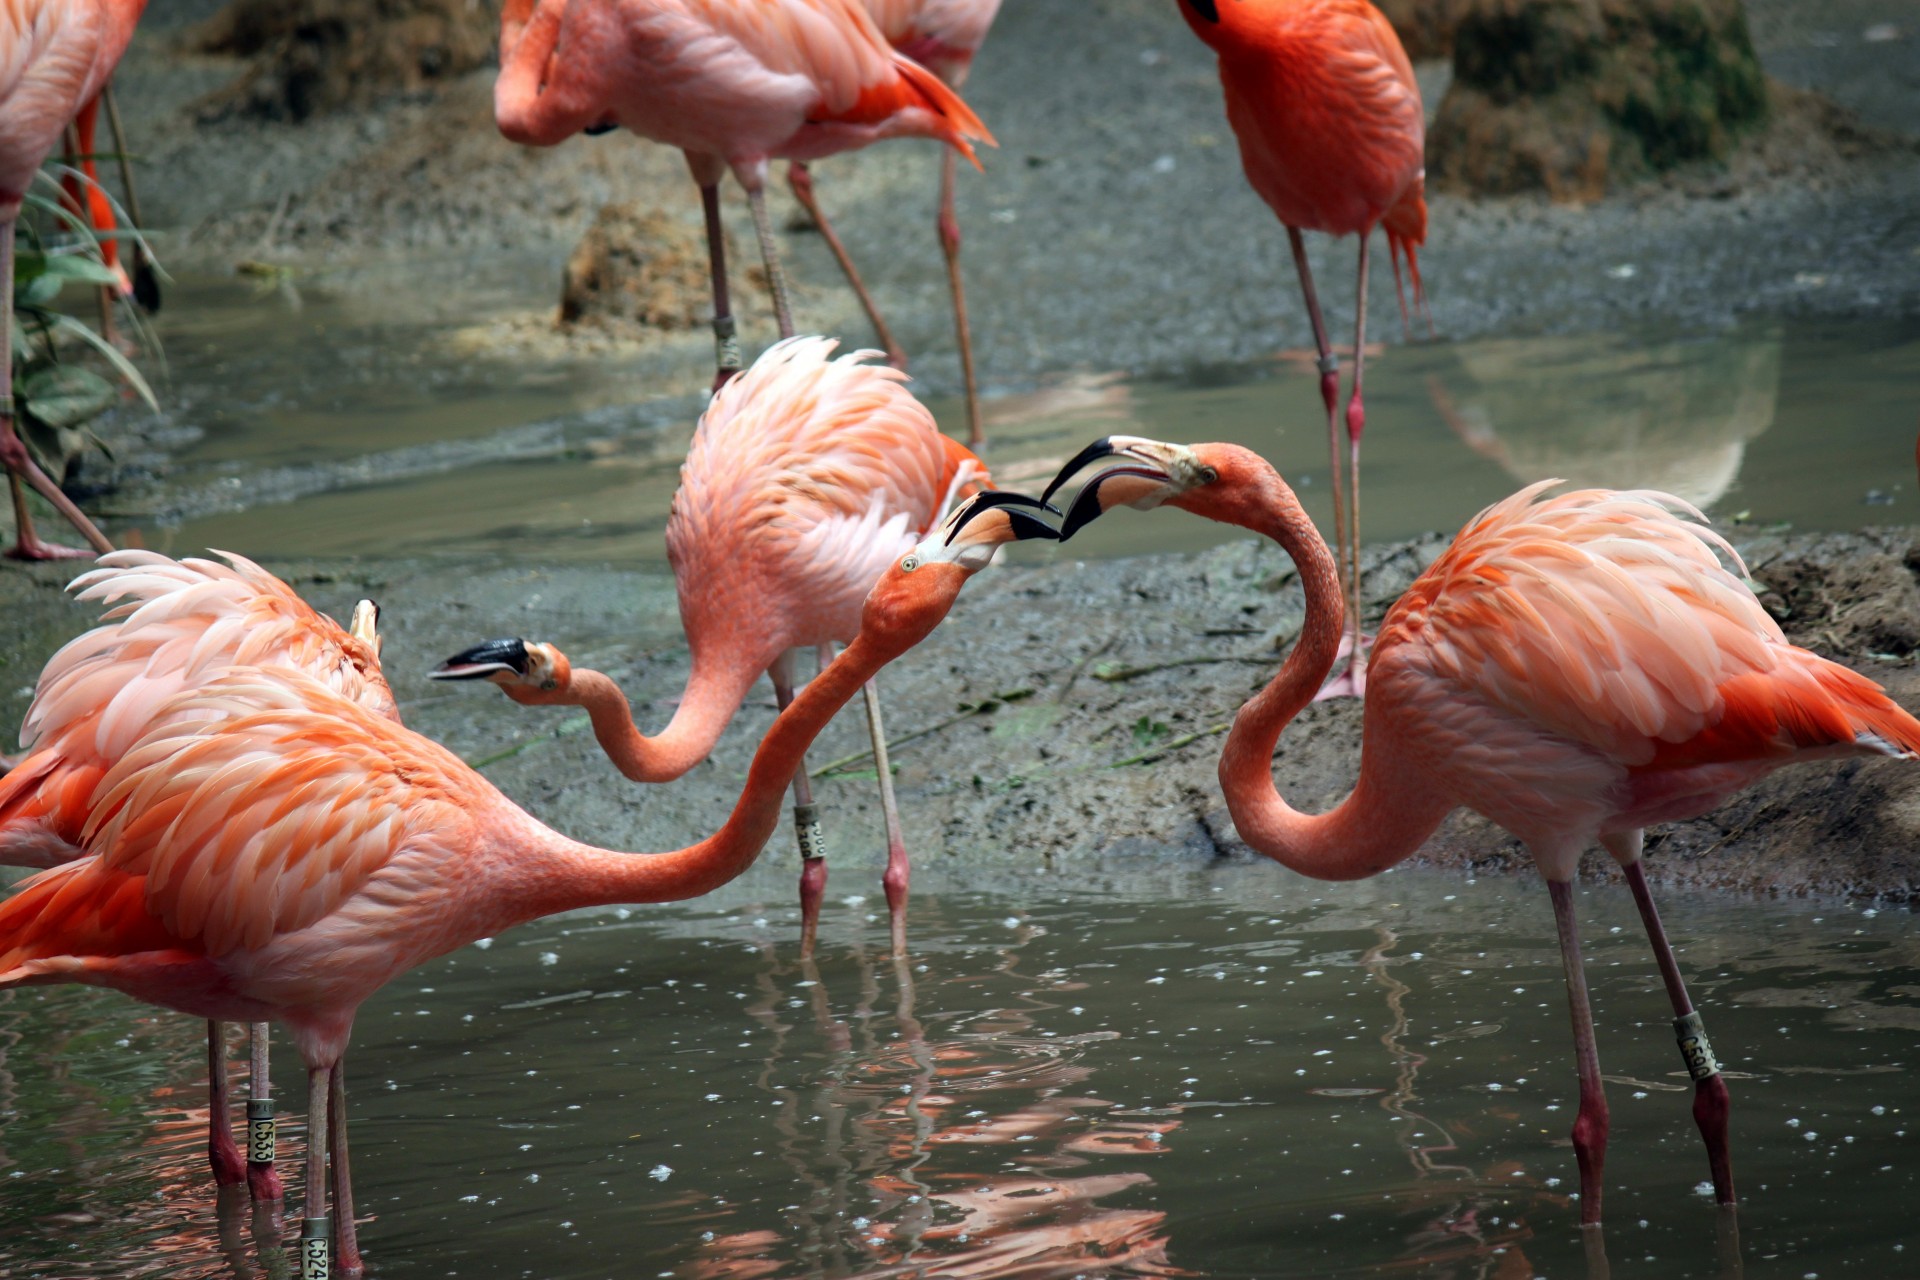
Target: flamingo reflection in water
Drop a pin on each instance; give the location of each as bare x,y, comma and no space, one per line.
868,1131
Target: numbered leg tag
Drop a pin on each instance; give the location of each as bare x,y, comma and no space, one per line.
726,347
314,1262
260,1131
806,825
1691,1032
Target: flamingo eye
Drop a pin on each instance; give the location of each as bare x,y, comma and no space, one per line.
910,564
1208,9
1208,475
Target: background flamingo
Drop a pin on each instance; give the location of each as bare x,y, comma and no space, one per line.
172,625
58,55
806,478
942,36
733,83
269,849
1333,137
1574,668
87,197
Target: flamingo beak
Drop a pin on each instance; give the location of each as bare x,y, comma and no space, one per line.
1019,509
484,661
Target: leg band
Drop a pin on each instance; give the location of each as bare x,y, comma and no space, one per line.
1691,1032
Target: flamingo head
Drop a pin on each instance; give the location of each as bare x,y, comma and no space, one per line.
365,625
918,589
530,673
1206,479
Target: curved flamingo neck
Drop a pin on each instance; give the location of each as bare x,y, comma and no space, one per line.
1391,811
553,873
714,692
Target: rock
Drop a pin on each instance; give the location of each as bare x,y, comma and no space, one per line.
1570,96
312,56
1425,27
639,266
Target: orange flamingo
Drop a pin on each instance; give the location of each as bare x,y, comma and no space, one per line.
733,83
1333,137
171,625
806,477
942,36
85,196
54,57
270,850
1574,668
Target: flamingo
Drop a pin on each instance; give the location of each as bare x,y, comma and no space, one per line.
55,55
942,36
171,625
1333,137
270,850
1574,668
806,477
733,83
86,196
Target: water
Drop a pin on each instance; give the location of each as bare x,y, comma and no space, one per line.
342,428
1234,1073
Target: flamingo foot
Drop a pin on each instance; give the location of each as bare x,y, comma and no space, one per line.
223,1153
263,1183
1351,683
34,549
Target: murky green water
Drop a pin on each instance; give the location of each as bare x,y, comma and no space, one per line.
1227,1074
333,429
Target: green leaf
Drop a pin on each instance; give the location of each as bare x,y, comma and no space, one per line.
121,365
39,291
78,266
1147,731
67,396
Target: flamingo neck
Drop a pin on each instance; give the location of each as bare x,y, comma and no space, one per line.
1390,811
714,692
550,872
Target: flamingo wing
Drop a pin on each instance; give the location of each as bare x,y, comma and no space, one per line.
1607,619
260,801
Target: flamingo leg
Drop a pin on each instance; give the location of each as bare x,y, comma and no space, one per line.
146,281
346,1258
13,451
806,823
1355,679
1329,389
770,252
222,1152
897,874
963,332
1711,1103
726,343
314,1232
1590,1128
800,178
263,1180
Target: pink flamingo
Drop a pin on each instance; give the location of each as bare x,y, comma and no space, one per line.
1574,668
55,56
733,83
171,626
1333,137
942,36
806,477
271,850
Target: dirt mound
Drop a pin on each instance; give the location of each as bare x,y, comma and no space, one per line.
311,56
639,266
1425,27
1865,603
1572,95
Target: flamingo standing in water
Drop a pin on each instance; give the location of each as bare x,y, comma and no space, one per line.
806,478
942,36
171,626
1574,668
733,83
55,56
269,849
1333,137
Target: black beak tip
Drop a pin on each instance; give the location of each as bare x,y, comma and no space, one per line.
483,660
1017,506
1085,510
1101,448
1027,525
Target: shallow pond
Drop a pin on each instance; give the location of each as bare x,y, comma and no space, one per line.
339,429
1234,1073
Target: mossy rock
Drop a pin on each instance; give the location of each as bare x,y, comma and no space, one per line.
1425,27
1572,96
311,56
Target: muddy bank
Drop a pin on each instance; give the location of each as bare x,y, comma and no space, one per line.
1067,718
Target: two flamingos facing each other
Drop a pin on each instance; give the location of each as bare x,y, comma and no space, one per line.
1333,137
733,84
268,850
806,478
1575,668
170,627
60,54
